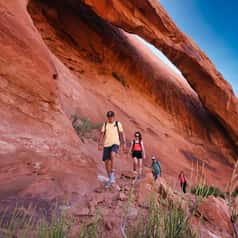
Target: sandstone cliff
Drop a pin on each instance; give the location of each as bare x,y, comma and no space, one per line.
149,20
71,57
61,58
79,57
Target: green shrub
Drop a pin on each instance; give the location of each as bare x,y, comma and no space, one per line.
83,126
22,224
205,191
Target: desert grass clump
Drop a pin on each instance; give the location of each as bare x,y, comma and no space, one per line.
148,224
233,185
232,200
23,224
201,188
91,230
13,222
83,127
163,219
124,218
59,227
204,191
176,223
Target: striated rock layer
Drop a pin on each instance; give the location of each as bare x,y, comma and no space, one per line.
57,60
149,20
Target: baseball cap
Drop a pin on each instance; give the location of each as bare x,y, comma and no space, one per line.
153,157
110,114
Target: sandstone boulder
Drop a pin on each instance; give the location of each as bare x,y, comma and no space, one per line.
215,212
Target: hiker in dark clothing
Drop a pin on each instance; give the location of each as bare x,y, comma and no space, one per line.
183,181
156,169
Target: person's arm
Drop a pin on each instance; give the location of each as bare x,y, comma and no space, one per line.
124,140
131,146
143,149
100,141
101,137
123,136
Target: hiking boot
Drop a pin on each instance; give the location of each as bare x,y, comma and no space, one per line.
112,177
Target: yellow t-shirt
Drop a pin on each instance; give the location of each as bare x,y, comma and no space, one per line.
111,136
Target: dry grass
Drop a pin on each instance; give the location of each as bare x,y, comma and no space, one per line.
23,224
232,200
163,219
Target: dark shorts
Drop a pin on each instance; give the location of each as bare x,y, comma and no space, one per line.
107,152
137,154
155,175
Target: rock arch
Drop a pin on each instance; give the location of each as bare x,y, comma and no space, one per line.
149,20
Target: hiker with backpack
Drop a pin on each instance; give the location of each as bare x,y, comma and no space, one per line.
110,138
137,151
156,169
183,181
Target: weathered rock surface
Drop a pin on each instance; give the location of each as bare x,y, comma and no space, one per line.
47,68
149,20
34,128
215,212
57,61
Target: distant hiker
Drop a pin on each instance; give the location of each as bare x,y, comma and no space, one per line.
137,151
183,181
110,138
156,169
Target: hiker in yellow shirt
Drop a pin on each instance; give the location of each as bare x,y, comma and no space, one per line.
111,136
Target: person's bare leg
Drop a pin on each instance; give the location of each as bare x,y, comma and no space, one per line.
135,164
108,166
113,156
140,167
112,175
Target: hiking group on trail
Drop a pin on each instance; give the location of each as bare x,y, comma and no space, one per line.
111,137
